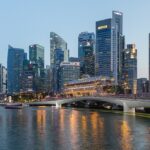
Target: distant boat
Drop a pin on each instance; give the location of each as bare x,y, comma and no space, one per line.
15,106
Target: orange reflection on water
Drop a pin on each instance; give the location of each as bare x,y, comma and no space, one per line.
73,120
62,118
94,122
97,127
84,123
125,136
41,120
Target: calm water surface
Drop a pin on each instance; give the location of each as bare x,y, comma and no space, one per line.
48,128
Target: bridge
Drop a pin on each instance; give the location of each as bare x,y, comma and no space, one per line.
128,105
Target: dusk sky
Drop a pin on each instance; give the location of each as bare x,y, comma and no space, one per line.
25,22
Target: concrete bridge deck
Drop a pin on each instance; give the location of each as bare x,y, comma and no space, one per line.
128,105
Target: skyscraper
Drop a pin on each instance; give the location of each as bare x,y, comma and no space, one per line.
56,42
86,53
36,54
58,58
15,59
129,66
109,46
28,77
117,45
36,57
103,48
48,78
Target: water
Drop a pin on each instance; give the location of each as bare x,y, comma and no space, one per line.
48,128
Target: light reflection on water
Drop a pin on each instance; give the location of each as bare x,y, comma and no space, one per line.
48,128
126,137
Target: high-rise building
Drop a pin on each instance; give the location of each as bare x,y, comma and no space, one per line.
56,42
15,59
129,66
48,78
103,48
86,53
36,57
109,46
28,77
58,58
68,71
117,45
3,79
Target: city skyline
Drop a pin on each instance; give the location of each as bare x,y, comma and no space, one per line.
30,26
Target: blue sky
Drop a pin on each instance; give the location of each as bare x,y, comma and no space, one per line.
25,22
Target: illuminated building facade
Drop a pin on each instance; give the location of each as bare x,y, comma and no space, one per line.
93,86
86,53
109,46
69,71
129,66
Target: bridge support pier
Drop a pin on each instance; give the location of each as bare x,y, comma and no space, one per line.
128,109
58,105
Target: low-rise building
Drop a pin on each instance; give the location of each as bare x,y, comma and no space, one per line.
92,86
69,71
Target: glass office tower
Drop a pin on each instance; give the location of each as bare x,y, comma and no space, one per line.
117,45
36,57
129,66
86,53
56,42
58,58
109,46
103,48
15,59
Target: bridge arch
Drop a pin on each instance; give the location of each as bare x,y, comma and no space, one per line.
129,105
100,99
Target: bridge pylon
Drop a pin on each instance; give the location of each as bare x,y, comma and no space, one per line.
58,105
128,109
